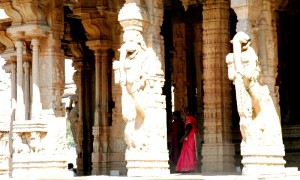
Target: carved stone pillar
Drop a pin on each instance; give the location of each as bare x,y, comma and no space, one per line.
255,19
198,54
13,85
20,110
143,105
78,127
100,128
247,14
27,89
36,106
179,67
268,49
218,149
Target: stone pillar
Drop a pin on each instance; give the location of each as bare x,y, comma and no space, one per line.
143,105
97,112
20,110
13,85
256,22
218,149
197,45
179,67
36,105
100,128
104,128
268,49
247,14
27,89
97,115
79,129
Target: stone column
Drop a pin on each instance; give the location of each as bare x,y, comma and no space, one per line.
179,67
247,14
218,149
13,108
79,131
198,53
27,89
254,20
100,128
97,113
267,35
20,110
36,105
143,105
13,85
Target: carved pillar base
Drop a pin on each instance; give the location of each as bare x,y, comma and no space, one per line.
263,160
37,165
217,158
147,163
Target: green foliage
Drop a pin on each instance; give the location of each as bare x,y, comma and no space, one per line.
70,140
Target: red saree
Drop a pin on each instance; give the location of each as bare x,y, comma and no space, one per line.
187,161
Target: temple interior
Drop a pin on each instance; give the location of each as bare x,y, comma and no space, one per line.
185,85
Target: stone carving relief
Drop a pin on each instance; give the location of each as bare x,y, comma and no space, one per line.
76,125
4,137
36,142
73,117
12,12
28,142
259,120
20,143
137,64
132,81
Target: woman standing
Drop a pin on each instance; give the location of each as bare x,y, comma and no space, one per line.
187,161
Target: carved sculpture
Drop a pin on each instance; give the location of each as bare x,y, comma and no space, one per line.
35,142
136,65
132,81
76,125
18,145
259,121
4,143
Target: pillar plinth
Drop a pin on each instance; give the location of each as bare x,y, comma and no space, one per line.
147,163
263,160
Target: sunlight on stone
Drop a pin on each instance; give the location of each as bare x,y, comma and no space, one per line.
3,14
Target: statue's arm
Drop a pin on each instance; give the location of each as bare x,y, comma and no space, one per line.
123,53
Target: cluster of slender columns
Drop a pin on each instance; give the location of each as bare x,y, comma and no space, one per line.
26,94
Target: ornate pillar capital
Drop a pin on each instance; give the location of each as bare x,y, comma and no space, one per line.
246,9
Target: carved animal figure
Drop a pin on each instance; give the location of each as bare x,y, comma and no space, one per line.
18,145
259,120
35,142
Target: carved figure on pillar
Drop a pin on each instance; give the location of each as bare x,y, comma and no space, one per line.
76,125
259,120
137,66
133,81
140,75
73,116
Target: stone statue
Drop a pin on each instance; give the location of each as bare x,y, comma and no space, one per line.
259,120
136,65
76,124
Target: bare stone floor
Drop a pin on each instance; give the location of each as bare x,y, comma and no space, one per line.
179,176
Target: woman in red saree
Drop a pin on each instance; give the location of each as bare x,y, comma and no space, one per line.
187,161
